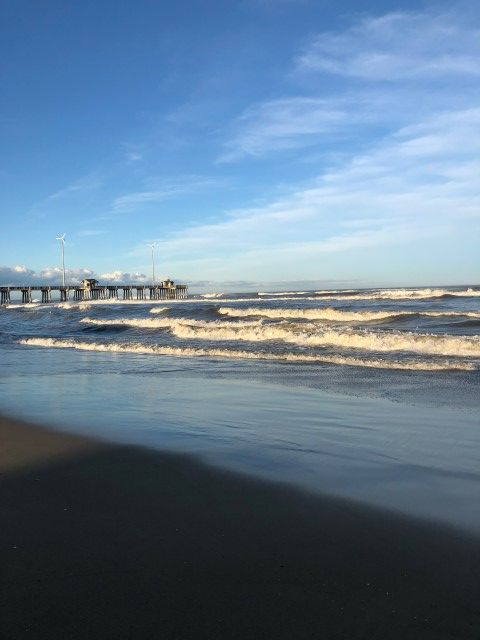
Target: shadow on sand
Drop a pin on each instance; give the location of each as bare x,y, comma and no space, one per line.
101,541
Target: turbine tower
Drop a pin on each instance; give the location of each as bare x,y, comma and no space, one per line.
62,240
152,247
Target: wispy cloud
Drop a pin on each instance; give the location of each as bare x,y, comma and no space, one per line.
396,47
134,157
75,192
166,190
386,111
369,79
284,124
416,183
138,199
89,182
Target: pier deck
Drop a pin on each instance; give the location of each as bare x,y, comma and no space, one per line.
164,291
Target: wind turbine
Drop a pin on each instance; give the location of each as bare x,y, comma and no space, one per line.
62,240
152,247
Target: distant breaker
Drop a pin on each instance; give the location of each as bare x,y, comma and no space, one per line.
90,289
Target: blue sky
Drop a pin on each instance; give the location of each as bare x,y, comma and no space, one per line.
258,142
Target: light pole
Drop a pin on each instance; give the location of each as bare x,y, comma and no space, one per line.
62,240
152,247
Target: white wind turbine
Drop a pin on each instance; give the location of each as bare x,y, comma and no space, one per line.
62,240
152,247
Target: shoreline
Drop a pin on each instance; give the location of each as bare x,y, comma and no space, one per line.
115,541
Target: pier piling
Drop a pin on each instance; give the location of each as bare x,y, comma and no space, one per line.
26,295
46,294
4,295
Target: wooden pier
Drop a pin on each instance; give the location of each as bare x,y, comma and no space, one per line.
91,290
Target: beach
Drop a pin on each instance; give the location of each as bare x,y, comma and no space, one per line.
113,541
253,466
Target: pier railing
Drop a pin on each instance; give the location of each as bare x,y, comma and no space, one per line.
107,292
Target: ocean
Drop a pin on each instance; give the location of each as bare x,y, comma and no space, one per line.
368,394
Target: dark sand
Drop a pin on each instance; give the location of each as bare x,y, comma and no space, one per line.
103,541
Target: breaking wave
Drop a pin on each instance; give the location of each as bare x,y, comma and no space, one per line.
337,315
22,305
74,306
305,335
440,345
403,294
167,323
329,291
282,293
159,310
237,354
82,304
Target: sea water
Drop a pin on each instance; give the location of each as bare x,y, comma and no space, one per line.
366,394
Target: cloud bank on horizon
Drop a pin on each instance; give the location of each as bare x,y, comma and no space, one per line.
351,155
22,275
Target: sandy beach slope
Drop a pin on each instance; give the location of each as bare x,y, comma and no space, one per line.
113,542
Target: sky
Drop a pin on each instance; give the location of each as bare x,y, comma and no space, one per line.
298,143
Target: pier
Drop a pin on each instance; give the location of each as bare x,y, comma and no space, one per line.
90,289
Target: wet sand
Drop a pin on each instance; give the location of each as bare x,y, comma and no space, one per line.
107,541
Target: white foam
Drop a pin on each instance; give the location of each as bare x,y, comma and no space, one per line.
309,336
282,293
337,315
212,295
180,301
328,291
231,300
159,309
74,306
22,305
405,294
236,354
451,314
327,313
168,323
273,299
84,304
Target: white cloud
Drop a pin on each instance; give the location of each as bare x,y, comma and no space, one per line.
284,124
75,192
132,201
166,190
389,110
16,275
398,46
419,182
123,277
89,182
388,73
21,275
73,276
